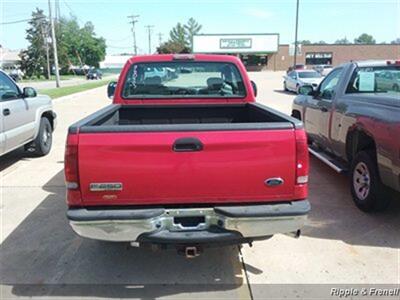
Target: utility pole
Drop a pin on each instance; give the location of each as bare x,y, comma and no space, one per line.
295,35
58,10
46,44
133,21
160,38
149,29
53,38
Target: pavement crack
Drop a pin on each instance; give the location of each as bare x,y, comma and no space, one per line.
245,272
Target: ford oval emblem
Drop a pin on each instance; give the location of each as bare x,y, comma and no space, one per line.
274,181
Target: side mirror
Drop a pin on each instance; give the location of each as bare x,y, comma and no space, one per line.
29,92
111,89
306,90
254,86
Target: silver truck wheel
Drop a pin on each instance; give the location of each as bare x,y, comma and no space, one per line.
361,180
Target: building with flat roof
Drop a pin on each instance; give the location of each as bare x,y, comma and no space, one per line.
114,63
254,49
262,51
9,59
331,54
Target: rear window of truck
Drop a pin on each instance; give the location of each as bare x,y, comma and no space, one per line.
380,79
183,80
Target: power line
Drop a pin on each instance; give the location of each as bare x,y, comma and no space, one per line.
22,21
119,47
118,40
133,21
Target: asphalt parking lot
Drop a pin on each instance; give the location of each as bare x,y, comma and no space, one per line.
41,257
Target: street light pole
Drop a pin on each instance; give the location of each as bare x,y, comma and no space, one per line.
295,35
53,38
149,27
160,38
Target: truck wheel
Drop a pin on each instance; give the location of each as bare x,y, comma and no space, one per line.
368,192
44,138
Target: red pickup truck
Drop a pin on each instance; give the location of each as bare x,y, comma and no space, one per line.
184,156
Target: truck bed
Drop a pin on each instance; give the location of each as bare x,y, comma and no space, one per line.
186,154
184,117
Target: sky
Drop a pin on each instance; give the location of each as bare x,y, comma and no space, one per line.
326,20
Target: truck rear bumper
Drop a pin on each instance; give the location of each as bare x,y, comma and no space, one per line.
190,225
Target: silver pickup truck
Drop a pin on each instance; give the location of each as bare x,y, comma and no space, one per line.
27,119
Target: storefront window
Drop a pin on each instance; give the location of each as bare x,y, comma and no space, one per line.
318,58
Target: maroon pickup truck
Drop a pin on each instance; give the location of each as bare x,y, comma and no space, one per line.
184,156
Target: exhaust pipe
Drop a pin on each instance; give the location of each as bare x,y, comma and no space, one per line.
294,234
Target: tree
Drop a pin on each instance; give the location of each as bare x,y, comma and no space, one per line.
183,34
321,43
178,35
343,41
192,28
76,46
172,47
304,42
396,41
33,59
79,46
365,39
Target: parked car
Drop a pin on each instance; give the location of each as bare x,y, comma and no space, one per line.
296,67
187,163
27,118
16,74
94,74
296,79
353,122
156,71
323,69
388,80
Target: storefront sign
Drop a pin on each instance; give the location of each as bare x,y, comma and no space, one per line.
238,43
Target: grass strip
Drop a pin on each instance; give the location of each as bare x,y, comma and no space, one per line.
69,90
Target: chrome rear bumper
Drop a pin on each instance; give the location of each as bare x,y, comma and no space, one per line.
189,225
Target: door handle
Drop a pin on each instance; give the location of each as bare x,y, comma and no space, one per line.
6,112
187,144
324,109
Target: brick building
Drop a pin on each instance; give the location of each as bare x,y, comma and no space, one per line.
260,51
333,54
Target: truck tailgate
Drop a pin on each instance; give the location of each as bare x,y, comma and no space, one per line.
232,166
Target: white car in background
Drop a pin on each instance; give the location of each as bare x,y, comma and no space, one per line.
296,79
323,69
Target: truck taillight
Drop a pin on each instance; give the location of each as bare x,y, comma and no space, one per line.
71,162
302,159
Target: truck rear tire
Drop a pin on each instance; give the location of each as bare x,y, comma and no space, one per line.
44,138
367,190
